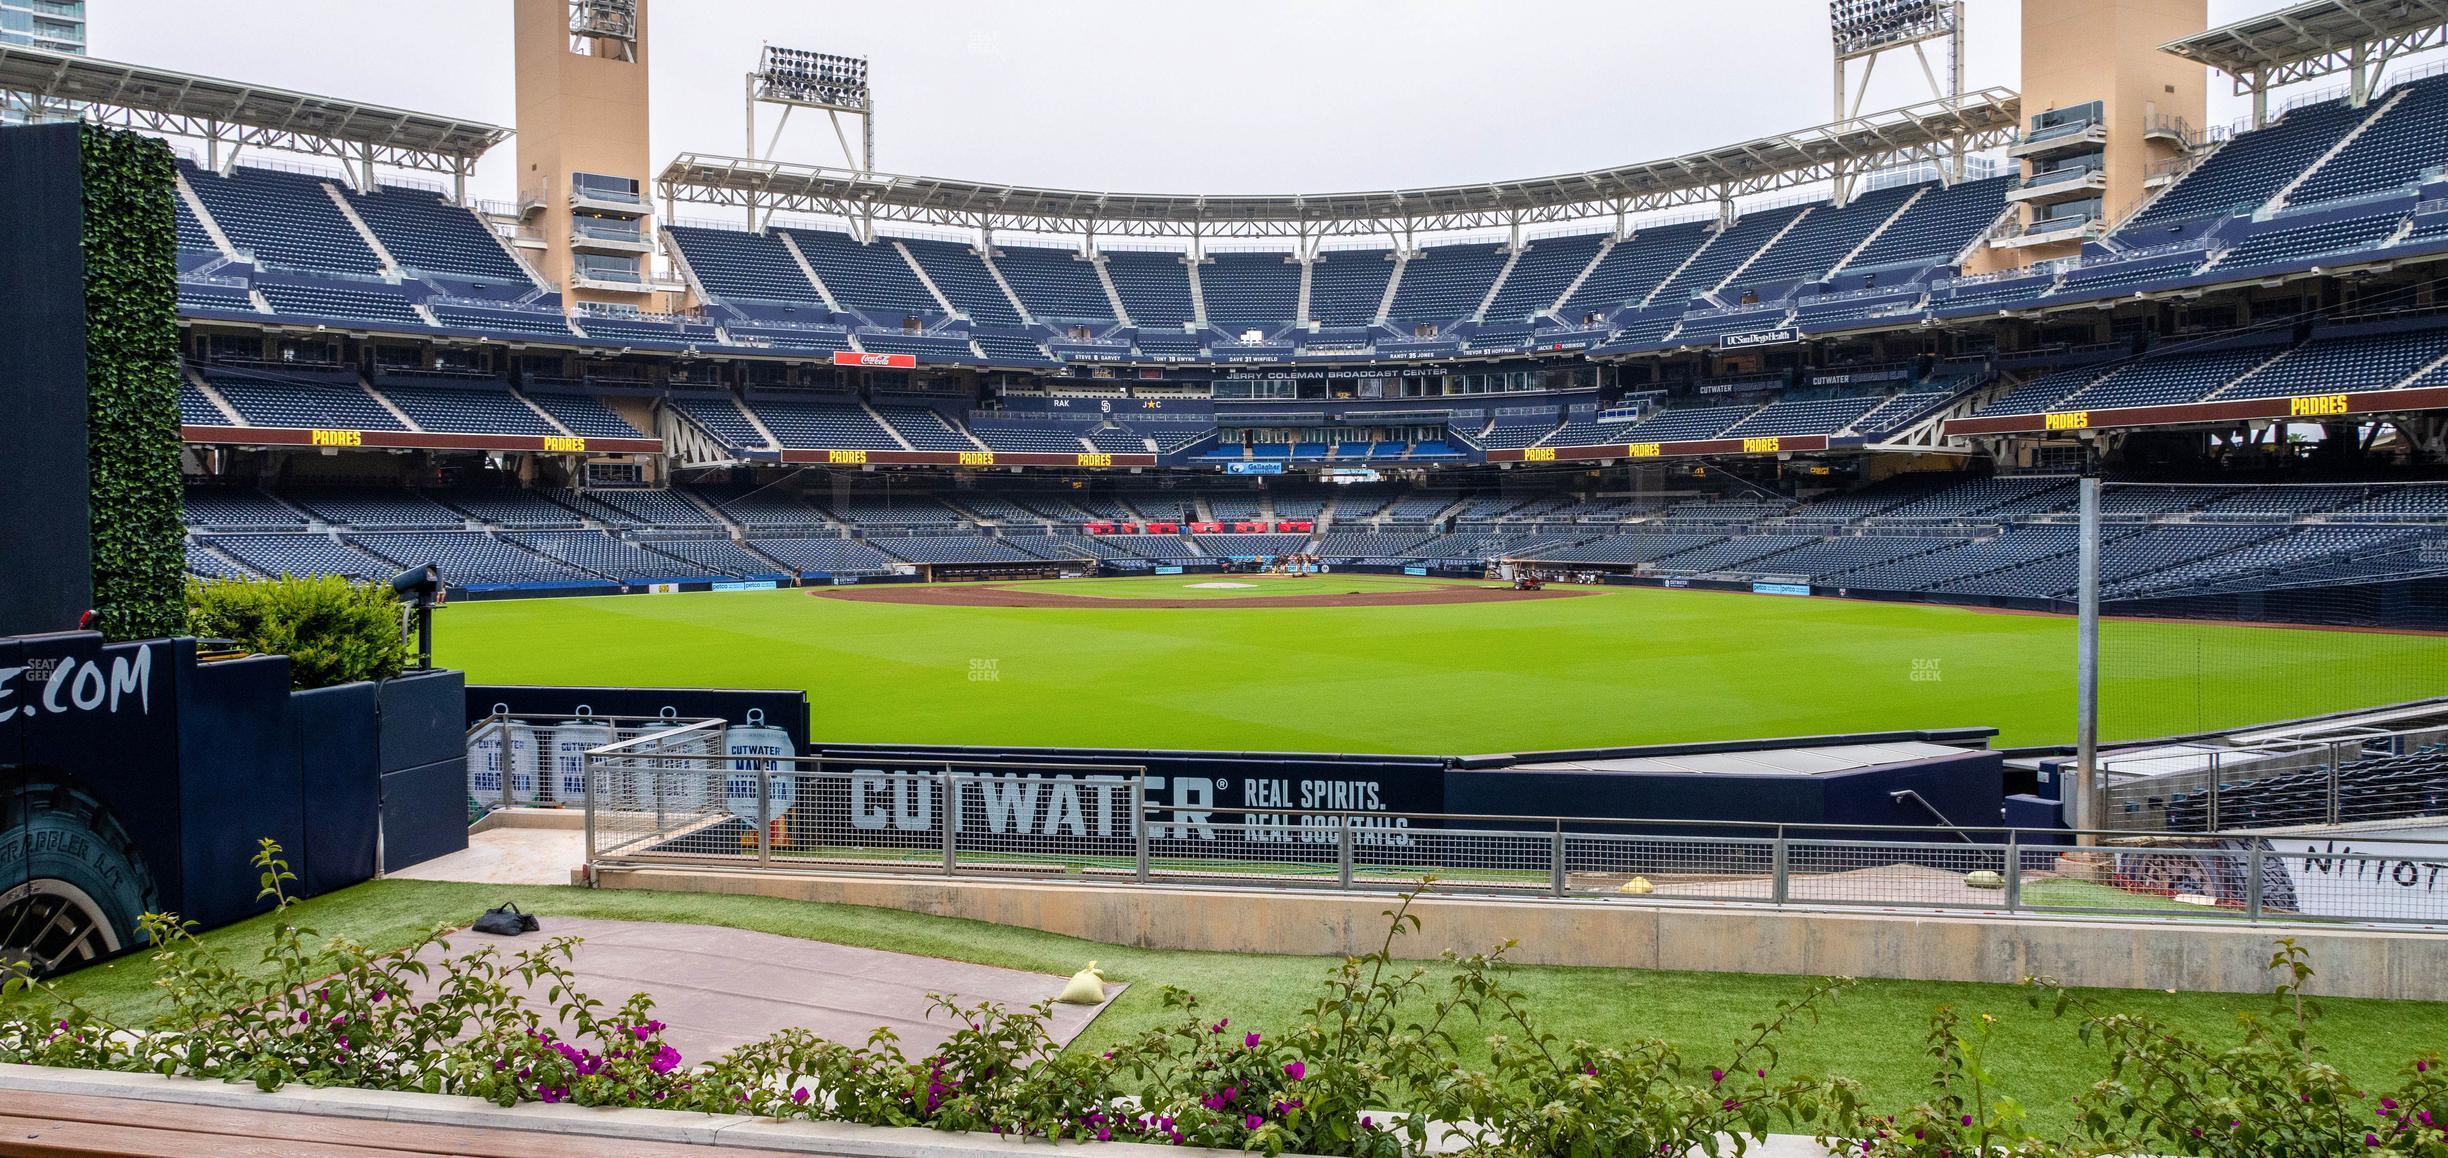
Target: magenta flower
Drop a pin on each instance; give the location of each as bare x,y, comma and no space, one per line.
800,1095
1967,1119
664,1060
1254,1121
1250,1042
1716,1076
1295,1071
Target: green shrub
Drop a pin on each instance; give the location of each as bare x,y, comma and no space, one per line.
332,630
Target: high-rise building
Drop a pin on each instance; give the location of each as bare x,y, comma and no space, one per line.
57,25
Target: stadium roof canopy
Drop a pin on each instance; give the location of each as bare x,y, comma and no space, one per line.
154,100
1932,131
2317,39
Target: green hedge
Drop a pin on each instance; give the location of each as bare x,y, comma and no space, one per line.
332,630
132,375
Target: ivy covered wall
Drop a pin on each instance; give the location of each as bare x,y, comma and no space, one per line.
132,376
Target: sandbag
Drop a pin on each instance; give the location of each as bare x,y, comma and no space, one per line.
1087,987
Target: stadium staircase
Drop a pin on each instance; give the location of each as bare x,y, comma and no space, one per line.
985,255
2378,109
365,232
1883,226
1198,291
1555,308
1385,304
807,270
204,219
1496,284
1715,235
936,291
1113,293
1734,275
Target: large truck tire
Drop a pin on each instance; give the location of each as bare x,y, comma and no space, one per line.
72,882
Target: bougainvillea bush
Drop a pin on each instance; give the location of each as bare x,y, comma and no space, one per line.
515,1028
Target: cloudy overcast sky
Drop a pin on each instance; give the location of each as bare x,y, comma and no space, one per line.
1245,96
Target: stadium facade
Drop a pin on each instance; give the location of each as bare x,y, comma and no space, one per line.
1837,356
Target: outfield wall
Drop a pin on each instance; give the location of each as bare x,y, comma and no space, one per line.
2183,955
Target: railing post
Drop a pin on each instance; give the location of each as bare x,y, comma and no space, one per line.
1780,869
764,786
951,821
2214,792
2252,884
2334,810
1343,851
657,773
591,770
509,752
1139,825
1555,860
2014,871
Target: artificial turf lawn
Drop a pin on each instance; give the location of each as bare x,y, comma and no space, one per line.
1871,1033
1620,666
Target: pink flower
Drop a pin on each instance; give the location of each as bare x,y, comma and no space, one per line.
1716,1076
800,1095
1254,1121
664,1060
1250,1042
1295,1070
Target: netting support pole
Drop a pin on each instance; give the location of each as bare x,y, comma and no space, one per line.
2085,801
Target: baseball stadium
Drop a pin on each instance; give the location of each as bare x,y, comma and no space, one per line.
1982,547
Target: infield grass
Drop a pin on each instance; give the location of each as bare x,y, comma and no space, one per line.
1872,1033
1618,666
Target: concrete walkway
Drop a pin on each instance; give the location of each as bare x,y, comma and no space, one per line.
718,988
507,856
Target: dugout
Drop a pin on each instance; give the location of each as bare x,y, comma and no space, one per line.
1914,780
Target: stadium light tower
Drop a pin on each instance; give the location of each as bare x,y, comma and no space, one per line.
1865,30
797,79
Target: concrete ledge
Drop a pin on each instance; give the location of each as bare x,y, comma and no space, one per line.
606,1129
566,819
2191,955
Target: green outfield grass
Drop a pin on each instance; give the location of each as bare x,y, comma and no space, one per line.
1620,666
